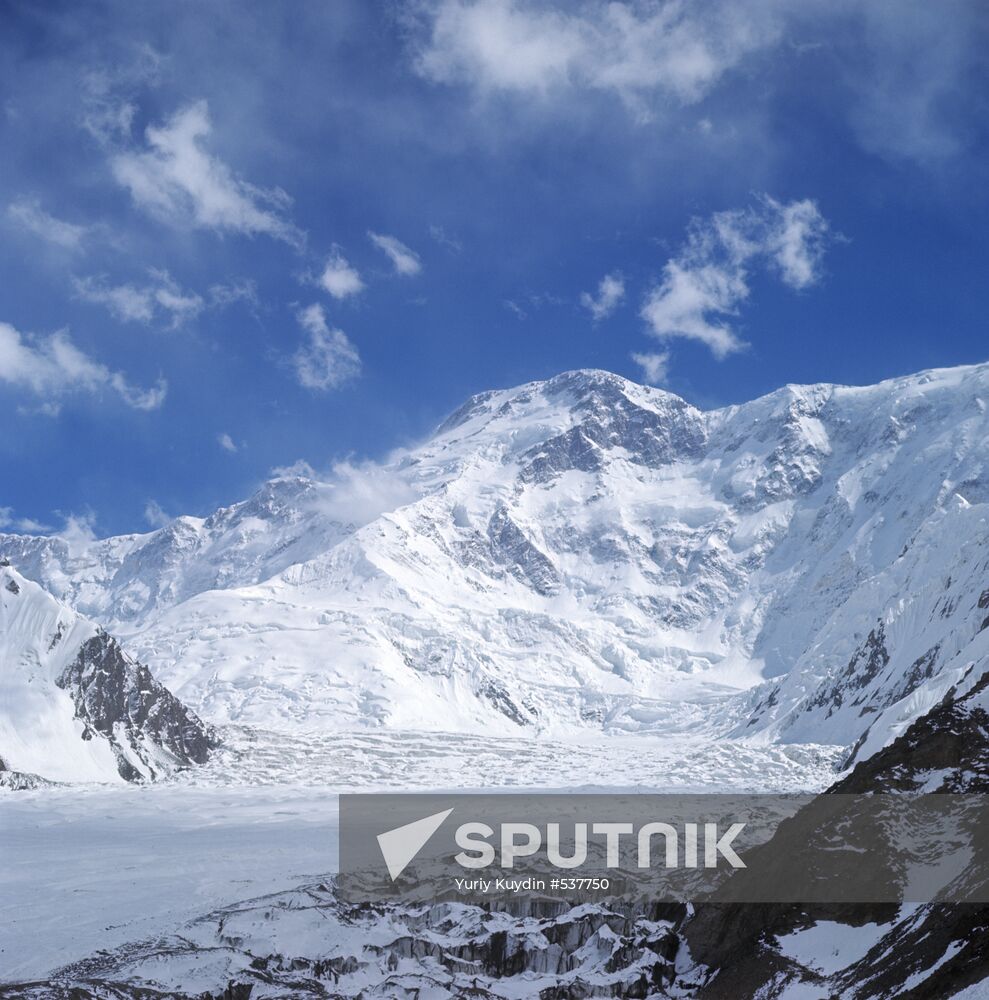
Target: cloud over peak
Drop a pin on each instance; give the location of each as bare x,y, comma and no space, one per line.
655,366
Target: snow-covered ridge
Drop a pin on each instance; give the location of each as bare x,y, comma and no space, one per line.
585,553
73,707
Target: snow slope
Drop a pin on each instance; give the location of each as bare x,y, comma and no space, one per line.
72,707
585,552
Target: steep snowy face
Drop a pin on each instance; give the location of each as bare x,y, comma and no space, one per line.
73,707
887,601
585,552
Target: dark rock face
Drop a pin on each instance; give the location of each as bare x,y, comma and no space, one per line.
21,781
940,948
952,738
609,419
511,548
869,659
120,700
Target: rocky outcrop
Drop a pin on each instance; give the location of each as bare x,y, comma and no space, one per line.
929,952
119,699
75,707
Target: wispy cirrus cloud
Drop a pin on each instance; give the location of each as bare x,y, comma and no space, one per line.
162,298
405,260
610,294
52,366
441,236
155,515
703,287
9,521
28,214
903,73
327,359
227,294
174,178
108,93
909,76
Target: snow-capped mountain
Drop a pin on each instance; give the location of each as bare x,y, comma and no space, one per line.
585,552
74,707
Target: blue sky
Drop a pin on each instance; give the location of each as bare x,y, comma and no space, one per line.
239,236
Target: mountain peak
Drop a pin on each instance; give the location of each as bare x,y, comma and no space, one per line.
575,390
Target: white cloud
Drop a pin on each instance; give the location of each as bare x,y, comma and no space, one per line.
364,490
155,516
162,298
704,286
29,215
905,69
226,442
328,359
176,180
444,239
798,241
28,524
500,44
689,297
655,367
640,51
221,296
53,366
78,532
356,492
300,467
404,260
611,292
108,94
339,278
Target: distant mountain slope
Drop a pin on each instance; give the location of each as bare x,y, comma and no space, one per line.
74,707
587,552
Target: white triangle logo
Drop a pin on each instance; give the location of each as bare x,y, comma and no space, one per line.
401,845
